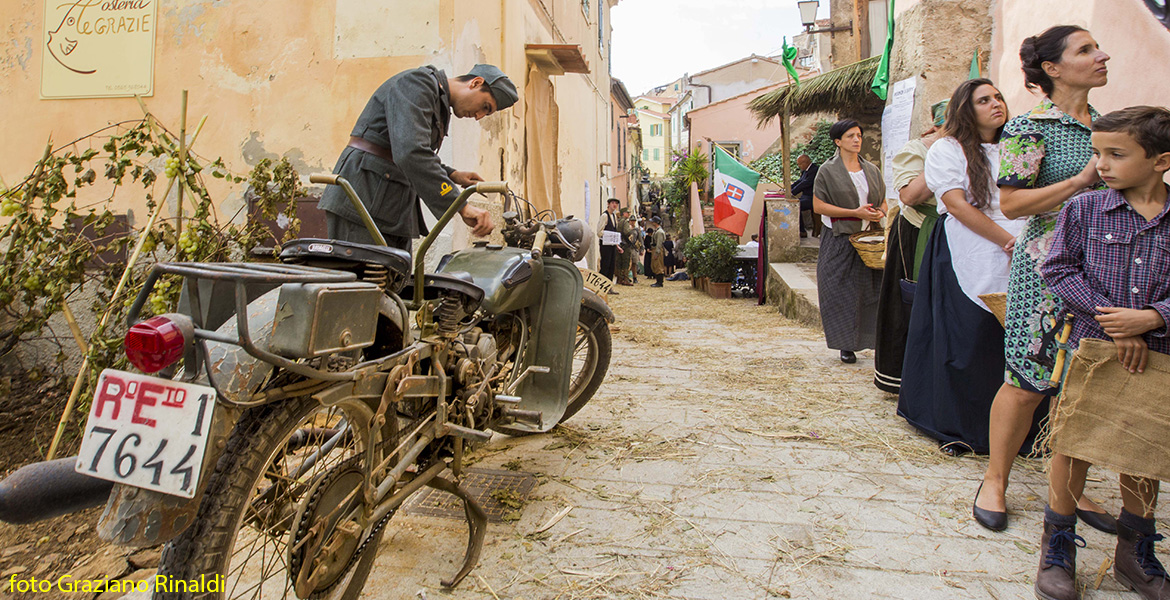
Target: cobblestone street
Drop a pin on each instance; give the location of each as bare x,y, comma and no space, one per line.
731,455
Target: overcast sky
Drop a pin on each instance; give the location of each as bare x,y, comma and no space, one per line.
656,41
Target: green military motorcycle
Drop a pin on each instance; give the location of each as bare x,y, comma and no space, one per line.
290,408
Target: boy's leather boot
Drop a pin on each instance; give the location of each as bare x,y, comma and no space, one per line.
1135,565
1057,577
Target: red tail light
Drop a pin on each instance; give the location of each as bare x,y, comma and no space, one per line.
156,343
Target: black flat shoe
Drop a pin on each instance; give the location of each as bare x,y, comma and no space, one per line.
1100,521
991,519
848,357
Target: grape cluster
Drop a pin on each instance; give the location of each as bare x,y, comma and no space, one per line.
187,242
173,167
10,206
159,304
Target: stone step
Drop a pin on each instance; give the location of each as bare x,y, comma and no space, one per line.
793,288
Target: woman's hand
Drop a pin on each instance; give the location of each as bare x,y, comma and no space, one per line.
1132,353
1010,247
1088,176
1127,322
868,212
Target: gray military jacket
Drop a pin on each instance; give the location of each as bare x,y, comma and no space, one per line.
409,114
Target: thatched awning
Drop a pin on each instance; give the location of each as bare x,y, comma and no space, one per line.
843,90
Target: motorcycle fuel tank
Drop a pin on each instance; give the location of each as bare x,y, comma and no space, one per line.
508,276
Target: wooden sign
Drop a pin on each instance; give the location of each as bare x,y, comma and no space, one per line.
98,48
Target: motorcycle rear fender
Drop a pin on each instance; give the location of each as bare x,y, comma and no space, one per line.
551,345
138,517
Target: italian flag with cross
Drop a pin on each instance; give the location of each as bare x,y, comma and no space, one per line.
735,186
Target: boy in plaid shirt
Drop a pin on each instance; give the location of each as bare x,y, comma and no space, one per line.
1110,263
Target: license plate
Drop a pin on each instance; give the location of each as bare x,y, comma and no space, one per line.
597,283
147,432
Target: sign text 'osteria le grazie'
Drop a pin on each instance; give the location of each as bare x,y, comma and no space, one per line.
98,48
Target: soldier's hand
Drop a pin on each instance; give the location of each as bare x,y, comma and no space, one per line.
478,220
466,178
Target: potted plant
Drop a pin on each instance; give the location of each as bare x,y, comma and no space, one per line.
696,265
719,255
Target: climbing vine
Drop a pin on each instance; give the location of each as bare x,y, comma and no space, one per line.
62,206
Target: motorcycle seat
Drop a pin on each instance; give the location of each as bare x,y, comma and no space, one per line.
313,249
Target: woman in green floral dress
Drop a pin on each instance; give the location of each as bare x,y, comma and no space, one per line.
1045,160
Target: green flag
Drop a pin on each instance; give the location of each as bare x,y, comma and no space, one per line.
788,54
881,81
974,72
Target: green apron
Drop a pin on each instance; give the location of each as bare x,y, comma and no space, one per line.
930,214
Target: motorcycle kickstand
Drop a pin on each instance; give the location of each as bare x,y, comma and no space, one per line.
476,526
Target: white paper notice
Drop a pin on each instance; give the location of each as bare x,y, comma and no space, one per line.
611,238
896,128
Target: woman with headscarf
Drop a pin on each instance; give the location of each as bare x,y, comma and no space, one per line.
849,193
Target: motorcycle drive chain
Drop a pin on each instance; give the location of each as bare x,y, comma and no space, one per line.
294,566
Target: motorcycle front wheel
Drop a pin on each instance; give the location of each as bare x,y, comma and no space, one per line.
286,466
591,353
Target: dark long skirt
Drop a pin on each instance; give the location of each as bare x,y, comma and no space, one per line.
848,294
954,357
893,319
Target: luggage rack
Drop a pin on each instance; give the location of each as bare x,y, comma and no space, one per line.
242,274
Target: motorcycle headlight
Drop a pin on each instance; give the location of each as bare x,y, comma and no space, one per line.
573,232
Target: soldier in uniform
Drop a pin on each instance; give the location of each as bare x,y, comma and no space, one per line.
391,159
629,231
657,252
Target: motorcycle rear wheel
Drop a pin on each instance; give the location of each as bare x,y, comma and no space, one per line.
245,523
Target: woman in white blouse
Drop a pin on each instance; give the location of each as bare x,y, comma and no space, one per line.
954,351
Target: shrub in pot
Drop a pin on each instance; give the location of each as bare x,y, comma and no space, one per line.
719,258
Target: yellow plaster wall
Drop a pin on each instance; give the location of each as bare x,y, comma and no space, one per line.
280,78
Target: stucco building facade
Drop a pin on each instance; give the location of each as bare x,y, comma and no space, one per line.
288,79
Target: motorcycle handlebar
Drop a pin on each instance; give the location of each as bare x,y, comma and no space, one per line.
326,178
491,187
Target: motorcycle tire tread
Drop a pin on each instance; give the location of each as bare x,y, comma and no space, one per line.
195,551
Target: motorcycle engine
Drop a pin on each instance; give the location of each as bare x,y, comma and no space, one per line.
475,355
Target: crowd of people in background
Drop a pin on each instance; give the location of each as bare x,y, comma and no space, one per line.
1057,217
630,246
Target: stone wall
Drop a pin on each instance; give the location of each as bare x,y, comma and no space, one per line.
934,41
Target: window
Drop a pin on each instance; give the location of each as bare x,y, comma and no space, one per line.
656,130
646,154
601,27
585,8
657,154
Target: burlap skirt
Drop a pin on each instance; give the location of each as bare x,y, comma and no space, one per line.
1111,417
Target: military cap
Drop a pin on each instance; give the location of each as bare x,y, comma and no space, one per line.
501,88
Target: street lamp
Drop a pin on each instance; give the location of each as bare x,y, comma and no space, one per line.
808,18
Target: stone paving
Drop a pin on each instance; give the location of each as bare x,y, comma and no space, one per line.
730,455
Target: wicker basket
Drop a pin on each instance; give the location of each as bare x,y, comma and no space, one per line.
997,303
871,245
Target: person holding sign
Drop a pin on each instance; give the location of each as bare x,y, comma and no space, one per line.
609,231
